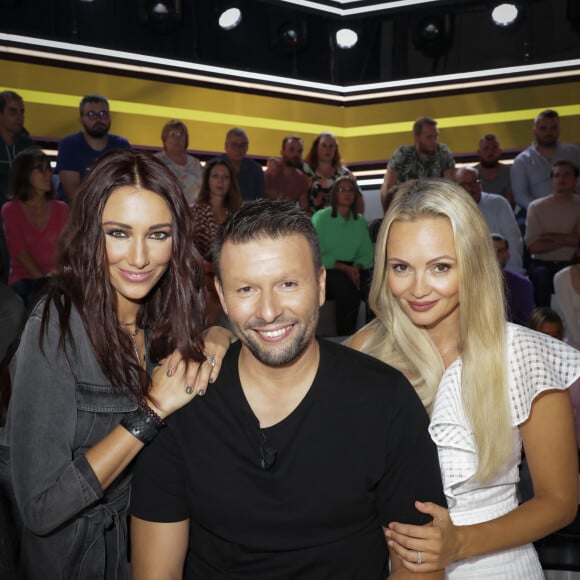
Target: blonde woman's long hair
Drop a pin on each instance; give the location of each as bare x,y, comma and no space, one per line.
398,342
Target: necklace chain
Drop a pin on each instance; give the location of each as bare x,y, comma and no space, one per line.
132,336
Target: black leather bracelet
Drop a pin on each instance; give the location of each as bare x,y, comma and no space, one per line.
143,423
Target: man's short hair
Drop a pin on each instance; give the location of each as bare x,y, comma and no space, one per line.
265,218
92,98
291,138
420,123
547,114
565,163
236,132
7,96
500,238
488,137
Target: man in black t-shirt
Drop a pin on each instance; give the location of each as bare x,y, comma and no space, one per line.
302,450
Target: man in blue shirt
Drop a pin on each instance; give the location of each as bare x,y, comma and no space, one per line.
78,152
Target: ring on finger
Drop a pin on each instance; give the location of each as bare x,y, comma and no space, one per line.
419,557
211,359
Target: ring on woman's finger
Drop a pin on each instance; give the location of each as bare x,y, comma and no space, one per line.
419,557
211,359
189,389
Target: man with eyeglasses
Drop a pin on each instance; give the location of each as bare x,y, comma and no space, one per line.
249,173
497,213
78,152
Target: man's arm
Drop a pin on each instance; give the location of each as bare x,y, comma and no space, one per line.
391,178
70,181
158,550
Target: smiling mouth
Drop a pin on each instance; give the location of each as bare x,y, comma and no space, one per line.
136,276
422,306
274,334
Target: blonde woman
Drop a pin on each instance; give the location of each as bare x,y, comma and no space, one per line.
489,386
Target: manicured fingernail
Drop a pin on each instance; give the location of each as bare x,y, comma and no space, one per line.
201,392
169,372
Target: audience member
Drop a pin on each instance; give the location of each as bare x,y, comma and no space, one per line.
494,175
249,174
285,178
78,152
347,252
85,397
437,294
323,165
519,292
547,321
186,168
303,449
33,221
497,213
531,171
218,198
425,158
552,230
567,288
13,139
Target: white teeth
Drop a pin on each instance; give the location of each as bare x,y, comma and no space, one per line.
273,333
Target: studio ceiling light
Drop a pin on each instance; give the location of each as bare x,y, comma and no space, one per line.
505,14
230,18
346,38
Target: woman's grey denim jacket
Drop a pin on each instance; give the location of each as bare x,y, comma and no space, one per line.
61,407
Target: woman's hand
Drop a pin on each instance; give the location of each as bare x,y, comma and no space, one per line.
438,541
176,381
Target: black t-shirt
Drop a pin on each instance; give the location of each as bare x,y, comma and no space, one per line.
302,499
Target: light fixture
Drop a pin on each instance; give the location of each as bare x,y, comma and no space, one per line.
433,34
230,18
294,35
505,14
346,38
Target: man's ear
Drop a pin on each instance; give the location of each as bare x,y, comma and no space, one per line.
322,286
220,293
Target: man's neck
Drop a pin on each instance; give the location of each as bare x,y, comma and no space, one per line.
562,195
237,165
96,143
546,151
274,392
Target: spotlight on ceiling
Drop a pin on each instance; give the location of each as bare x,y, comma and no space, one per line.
346,38
293,36
433,35
230,18
505,14
164,16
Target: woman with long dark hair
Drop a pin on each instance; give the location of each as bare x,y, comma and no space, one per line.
125,294
33,221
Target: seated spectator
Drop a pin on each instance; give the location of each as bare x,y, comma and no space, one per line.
249,174
519,292
497,212
186,168
552,230
78,152
347,252
494,175
567,287
284,177
324,166
219,196
33,222
547,321
425,158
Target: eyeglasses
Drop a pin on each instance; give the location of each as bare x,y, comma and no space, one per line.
469,183
42,167
177,134
343,189
236,145
92,115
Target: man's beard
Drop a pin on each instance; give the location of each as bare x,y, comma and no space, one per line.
98,131
489,164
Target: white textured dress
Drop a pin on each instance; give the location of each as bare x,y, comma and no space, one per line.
536,363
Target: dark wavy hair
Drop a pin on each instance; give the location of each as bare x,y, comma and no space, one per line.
173,312
233,199
24,164
312,157
334,195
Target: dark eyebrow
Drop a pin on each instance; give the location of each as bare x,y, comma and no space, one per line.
129,227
